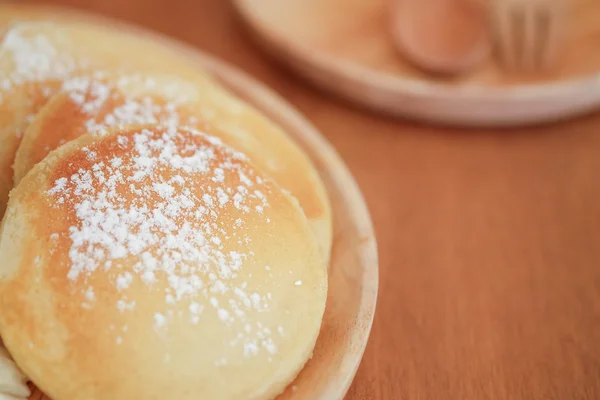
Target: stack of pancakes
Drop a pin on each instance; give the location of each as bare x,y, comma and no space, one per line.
160,238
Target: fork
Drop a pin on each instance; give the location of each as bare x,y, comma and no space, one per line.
528,33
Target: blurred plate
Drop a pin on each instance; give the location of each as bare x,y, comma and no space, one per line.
344,46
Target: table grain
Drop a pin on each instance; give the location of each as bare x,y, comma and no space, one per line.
489,240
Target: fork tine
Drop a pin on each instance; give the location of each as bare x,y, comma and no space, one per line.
529,32
503,27
544,41
517,16
555,33
530,37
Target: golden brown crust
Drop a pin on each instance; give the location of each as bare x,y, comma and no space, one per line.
262,285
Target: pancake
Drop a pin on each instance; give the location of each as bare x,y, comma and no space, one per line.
157,263
91,104
36,57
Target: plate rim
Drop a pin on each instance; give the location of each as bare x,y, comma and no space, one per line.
310,63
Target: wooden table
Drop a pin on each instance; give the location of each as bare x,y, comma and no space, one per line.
489,240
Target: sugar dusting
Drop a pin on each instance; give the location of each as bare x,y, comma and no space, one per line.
34,59
170,227
132,99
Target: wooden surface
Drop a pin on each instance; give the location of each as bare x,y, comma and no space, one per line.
488,240
347,47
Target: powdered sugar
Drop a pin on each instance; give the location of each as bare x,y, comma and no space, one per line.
172,228
134,99
124,280
35,58
29,56
159,320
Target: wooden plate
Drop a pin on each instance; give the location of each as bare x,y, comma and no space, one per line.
353,279
344,46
